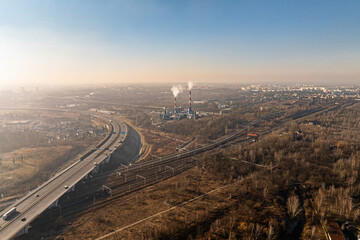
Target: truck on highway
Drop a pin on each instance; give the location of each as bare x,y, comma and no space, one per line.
9,213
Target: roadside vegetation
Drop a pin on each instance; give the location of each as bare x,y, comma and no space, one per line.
34,145
290,183
287,185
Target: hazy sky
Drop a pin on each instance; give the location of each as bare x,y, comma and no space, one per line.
124,41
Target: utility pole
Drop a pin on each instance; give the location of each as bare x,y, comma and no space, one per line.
139,176
108,189
171,168
156,157
126,167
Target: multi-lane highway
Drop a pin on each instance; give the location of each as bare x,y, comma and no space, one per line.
33,204
37,201
135,176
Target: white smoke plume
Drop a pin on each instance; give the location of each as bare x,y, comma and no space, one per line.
190,85
176,90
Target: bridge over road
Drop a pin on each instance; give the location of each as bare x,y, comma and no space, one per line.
47,194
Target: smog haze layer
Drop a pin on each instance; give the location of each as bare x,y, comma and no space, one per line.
50,43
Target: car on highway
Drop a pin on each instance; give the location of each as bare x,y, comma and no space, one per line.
37,195
9,213
23,219
66,186
95,163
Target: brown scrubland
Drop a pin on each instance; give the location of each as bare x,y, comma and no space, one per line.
290,184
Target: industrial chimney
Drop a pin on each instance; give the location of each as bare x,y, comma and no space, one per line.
190,102
175,106
190,85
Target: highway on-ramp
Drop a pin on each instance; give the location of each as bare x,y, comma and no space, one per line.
37,201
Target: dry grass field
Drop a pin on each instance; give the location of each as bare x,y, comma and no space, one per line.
28,161
31,153
152,200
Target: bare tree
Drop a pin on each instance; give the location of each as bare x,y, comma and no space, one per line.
319,199
271,235
293,206
313,232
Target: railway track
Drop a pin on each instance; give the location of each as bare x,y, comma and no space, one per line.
129,179
132,178
127,174
38,200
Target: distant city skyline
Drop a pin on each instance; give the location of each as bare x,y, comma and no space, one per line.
93,42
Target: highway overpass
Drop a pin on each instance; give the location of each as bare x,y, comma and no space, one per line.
33,204
47,195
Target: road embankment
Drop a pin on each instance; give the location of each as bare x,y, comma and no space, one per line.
130,149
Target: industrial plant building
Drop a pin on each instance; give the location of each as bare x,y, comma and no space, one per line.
179,112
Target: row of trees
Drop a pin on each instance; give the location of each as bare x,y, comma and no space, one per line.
297,183
207,128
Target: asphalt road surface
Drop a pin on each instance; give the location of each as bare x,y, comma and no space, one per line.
37,201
